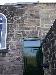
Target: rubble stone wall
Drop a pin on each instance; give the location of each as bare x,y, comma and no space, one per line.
12,62
49,50
23,20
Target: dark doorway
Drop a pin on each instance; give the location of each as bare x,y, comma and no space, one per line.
33,57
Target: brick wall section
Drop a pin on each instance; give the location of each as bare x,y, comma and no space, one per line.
49,50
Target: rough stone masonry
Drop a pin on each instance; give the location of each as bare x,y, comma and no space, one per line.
23,21
49,50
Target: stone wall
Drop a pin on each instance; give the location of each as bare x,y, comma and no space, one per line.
12,62
23,21
49,50
38,18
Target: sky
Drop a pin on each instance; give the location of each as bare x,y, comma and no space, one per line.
15,1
